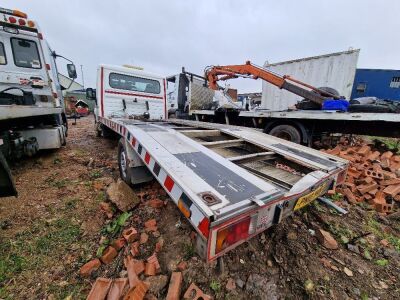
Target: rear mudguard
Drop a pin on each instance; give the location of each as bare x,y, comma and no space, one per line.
7,186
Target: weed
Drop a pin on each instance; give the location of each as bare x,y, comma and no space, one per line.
56,161
188,251
100,197
59,183
215,286
382,262
95,174
336,197
113,228
71,203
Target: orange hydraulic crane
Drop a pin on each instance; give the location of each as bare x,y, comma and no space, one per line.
249,70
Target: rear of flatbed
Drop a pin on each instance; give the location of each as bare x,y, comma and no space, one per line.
230,182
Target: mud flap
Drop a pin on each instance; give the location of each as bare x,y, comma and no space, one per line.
7,186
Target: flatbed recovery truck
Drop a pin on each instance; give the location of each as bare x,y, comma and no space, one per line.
230,182
194,99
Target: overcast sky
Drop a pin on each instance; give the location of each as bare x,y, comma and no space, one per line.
162,36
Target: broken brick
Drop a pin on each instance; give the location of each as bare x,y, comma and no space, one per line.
118,288
144,238
175,285
108,255
349,195
150,269
373,156
135,248
387,154
99,289
364,150
138,266
326,239
130,268
194,293
374,174
119,243
151,229
392,190
150,223
353,173
363,189
383,207
392,181
138,292
155,203
159,245
182,266
107,209
230,285
88,268
153,259
350,186
130,234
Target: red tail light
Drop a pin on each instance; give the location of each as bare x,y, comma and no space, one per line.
21,22
12,20
232,234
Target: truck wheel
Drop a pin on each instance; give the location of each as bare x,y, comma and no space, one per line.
123,163
131,175
286,132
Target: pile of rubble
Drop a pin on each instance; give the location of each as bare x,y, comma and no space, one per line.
141,277
373,176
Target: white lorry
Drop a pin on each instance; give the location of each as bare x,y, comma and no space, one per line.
230,182
32,114
276,114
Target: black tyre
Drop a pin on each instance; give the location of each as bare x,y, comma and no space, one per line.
123,163
330,91
369,108
286,132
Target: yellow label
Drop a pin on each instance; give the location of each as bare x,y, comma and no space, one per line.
307,199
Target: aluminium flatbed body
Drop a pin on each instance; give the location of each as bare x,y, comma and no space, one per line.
230,182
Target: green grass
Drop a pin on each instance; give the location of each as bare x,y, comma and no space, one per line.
41,247
375,227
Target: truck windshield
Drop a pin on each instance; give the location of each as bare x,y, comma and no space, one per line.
26,54
3,60
132,83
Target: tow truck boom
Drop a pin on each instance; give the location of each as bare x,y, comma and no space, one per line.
249,70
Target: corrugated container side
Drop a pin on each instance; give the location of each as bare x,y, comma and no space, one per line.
336,70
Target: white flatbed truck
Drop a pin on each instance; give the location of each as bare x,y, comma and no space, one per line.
32,114
230,182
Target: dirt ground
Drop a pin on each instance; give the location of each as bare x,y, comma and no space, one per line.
56,225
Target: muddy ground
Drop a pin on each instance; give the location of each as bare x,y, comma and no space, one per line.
56,225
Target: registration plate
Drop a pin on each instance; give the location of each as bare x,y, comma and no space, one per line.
307,199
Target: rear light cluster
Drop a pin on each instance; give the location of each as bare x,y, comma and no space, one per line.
21,22
17,16
232,234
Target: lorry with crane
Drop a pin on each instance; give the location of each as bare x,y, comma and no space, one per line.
201,98
229,182
32,114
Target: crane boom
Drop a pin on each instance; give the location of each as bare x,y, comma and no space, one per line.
218,73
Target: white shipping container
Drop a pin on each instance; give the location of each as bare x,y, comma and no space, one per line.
336,70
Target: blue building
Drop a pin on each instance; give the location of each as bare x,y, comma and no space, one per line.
383,84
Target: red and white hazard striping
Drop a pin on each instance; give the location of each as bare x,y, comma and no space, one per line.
197,218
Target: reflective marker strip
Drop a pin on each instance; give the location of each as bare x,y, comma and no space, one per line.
197,218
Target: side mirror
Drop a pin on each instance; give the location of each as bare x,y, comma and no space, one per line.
71,71
90,94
